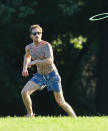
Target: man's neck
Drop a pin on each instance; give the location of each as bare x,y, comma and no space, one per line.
36,43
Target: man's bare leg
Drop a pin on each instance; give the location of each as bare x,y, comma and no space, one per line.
29,88
63,104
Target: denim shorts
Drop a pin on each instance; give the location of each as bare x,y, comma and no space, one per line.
52,81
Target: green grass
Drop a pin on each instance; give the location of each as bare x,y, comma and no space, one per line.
54,124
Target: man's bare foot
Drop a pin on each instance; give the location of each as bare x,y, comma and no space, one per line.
30,115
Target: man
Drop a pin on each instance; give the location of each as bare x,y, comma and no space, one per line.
47,75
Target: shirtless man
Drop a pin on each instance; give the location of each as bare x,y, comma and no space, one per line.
41,53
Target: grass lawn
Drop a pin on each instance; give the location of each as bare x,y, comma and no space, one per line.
54,124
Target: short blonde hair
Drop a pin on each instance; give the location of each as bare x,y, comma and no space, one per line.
34,27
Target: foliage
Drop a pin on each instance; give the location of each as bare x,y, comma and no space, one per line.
77,42
12,10
69,7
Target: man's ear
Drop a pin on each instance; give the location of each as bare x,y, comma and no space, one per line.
30,36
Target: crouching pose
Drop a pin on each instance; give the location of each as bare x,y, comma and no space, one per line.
41,53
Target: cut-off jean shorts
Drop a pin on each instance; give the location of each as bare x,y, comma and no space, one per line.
52,81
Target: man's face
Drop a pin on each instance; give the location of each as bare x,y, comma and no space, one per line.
36,35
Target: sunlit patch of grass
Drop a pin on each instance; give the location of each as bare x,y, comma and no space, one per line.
54,124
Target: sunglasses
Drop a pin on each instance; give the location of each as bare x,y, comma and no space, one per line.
36,33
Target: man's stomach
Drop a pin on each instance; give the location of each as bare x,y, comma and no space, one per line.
45,68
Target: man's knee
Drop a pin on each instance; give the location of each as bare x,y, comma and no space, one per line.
24,92
60,102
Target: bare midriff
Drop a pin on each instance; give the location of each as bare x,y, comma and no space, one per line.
45,68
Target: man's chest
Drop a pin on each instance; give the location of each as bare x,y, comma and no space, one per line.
37,53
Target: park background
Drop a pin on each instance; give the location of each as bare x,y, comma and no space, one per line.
80,51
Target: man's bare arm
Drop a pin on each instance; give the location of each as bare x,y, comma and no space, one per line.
47,61
27,59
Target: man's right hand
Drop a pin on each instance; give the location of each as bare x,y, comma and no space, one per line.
25,73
